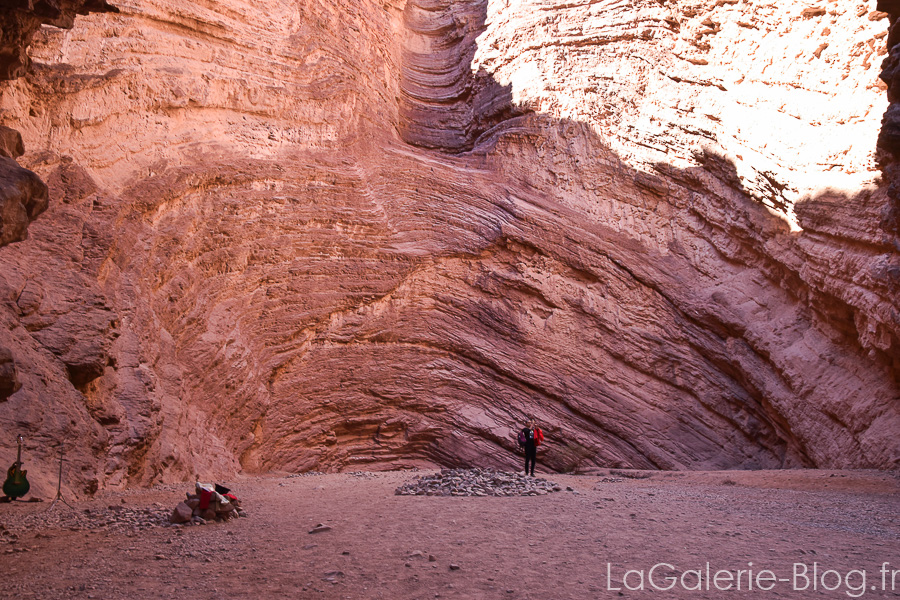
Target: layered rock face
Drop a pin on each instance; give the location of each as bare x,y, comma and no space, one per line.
23,196
324,235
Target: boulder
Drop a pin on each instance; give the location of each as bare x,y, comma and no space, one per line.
181,514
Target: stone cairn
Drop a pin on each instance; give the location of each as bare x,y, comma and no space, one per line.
217,508
477,482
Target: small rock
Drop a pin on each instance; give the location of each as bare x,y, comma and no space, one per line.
454,567
431,558
320,528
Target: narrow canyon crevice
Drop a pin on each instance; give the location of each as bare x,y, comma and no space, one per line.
444,105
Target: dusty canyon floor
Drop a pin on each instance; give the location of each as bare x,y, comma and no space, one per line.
562,545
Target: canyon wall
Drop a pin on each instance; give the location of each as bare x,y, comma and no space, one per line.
356,234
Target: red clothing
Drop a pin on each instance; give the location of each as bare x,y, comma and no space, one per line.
531,436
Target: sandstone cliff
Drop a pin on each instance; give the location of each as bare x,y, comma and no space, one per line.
351,234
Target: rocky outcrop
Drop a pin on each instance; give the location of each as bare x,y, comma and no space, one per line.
889,136
23,196
380,234
9,377
20,19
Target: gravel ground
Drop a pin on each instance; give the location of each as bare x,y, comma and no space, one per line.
369,542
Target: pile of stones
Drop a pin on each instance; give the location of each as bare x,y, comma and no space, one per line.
197,510
477,482
305,474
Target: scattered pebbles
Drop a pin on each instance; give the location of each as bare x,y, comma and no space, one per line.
112,518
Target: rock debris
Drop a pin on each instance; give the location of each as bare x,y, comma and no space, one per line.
112,518
477,482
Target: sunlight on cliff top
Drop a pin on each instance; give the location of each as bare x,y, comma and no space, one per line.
794,102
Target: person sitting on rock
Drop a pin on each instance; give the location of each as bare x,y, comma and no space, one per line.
529,439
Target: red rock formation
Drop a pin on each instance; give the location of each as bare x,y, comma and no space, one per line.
23,196
358,234
20,19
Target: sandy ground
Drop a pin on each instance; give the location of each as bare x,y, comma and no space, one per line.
563,545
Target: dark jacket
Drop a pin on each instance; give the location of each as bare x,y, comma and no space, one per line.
531,437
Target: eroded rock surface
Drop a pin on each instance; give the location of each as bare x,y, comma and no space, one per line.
20,19
9,376
381,233
23,196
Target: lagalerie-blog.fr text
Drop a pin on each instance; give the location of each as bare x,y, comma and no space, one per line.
661,576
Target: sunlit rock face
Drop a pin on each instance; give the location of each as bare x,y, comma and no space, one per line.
326,235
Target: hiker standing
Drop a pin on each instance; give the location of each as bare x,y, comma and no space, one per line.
529,439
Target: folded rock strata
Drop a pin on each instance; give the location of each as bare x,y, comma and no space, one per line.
368,234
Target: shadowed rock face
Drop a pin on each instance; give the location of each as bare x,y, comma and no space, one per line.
889,136
359,234
9,377
23,196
